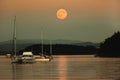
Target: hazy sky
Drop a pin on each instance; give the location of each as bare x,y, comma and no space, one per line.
87,20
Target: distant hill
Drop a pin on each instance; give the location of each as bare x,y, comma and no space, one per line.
58,41
21,44
87,44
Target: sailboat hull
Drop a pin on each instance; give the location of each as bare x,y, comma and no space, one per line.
42,60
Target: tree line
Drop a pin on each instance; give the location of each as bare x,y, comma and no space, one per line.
61,49
110,47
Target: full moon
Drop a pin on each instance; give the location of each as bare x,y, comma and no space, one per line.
61,14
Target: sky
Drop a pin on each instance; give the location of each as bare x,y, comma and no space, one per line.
87,20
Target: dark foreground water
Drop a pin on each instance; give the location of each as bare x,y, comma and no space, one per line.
77,67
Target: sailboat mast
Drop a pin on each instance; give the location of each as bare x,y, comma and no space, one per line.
42,41
50,47
14,36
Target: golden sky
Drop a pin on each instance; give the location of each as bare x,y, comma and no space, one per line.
45,4
87,19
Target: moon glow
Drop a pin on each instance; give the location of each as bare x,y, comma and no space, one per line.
61,14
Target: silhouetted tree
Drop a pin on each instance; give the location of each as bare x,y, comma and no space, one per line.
62,49
110,47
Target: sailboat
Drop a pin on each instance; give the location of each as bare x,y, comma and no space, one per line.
44,57
14,57
26,57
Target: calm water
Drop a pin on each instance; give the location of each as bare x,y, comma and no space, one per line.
63,68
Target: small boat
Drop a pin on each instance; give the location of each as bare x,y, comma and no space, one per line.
26,57
43,57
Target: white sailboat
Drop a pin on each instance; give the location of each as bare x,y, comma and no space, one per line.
26,57
14,56
44,57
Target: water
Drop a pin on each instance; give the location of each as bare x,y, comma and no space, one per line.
76,67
